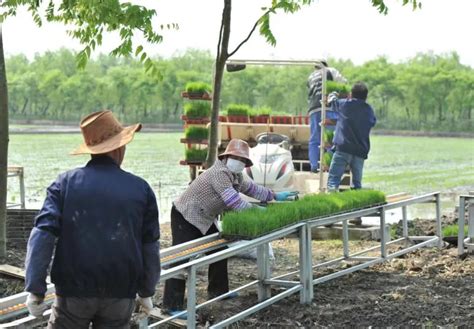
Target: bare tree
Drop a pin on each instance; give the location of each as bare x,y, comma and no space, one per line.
3,149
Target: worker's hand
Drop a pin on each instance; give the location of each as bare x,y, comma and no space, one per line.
145,303
282,196
36,305
332,97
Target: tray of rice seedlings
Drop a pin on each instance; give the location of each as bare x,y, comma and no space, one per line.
197,90
253,223
197,109
195,155
328,136
327,158
196,133
341,88
238,110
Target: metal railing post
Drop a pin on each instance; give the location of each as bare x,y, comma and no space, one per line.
22,188
439,231
462,207
345,238
191,288
470,225
383,238
264,273
306,266
405,222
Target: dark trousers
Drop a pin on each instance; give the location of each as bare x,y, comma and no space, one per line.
182,231
79,312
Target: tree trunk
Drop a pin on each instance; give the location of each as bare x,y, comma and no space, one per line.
3,150
23,110
221,58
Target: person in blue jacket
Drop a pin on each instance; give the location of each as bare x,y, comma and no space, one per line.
351,137
103,222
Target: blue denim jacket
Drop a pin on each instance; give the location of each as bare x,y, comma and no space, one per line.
356,119
105,221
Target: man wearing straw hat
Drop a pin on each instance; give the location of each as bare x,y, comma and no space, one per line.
194,215
104,222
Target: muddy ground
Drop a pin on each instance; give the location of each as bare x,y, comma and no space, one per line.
426,288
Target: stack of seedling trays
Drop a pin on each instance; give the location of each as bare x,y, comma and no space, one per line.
253,223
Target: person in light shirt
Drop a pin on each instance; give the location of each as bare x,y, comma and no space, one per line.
194,214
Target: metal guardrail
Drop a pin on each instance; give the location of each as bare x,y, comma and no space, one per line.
15,171
468,242
306,281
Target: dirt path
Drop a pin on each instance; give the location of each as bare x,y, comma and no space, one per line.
428,288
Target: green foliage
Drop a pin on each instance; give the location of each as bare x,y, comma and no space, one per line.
383,9
453,230
198,87
195,132
341,88
426,93
195,155
254,222
89,20
197,109
238,109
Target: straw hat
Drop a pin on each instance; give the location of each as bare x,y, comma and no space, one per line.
240,148
103,133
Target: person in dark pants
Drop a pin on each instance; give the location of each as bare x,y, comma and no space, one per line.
194,214
103,224
351,138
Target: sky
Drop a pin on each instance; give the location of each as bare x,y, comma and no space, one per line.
344,29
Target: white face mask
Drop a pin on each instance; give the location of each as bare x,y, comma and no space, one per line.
235,166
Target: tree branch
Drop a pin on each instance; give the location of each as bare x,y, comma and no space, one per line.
249,35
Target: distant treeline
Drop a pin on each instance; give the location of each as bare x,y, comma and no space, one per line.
428,92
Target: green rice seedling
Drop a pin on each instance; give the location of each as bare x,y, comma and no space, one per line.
328,136
327,158
195,155
453,230
252,112
238,110
195,132
341,88
254,222
198,87
197,109
264,110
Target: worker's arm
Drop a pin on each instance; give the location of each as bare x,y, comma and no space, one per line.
222,183
256,191
42,240
372,118
150,248
337,76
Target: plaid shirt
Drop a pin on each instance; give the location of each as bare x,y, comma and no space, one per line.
214,191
